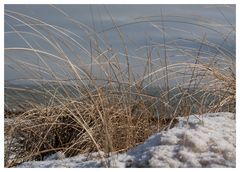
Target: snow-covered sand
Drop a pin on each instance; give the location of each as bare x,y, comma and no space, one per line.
200,141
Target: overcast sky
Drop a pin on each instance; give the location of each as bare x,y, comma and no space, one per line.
139,23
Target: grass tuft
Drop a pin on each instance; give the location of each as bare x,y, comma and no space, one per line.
81,95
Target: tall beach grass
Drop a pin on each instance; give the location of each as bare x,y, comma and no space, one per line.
83,95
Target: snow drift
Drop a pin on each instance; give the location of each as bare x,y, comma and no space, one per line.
198,141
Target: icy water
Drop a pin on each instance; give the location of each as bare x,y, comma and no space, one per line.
181,27
14,99
141,26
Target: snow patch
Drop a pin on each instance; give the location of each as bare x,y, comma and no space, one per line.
208,140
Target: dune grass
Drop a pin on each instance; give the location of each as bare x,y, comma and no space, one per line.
83,95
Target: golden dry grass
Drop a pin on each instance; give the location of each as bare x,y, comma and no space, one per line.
107,107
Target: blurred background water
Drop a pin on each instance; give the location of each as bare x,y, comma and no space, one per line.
142,26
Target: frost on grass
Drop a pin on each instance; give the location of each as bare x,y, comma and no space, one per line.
199,141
